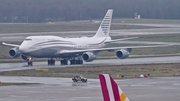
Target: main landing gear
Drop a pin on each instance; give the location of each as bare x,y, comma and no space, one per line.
64,61
29,61
51,62
76,61
72,61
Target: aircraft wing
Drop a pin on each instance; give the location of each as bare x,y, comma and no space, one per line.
107,49
117,40
149,42
13,45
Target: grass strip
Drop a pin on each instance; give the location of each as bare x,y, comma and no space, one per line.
128,71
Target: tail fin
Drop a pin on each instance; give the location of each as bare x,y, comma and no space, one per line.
111,91
104,28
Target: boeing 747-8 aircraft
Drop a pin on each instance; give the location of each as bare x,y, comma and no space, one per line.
74,50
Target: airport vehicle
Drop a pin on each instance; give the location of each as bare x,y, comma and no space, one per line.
77,78
110,90
75,50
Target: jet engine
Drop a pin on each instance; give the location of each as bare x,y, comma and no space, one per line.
122,54
14,52
88,56
23,57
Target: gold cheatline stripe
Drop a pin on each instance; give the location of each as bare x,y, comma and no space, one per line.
122,96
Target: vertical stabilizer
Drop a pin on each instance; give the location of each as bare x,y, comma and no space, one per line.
110,90
104,28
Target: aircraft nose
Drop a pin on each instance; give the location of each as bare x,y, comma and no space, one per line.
22,49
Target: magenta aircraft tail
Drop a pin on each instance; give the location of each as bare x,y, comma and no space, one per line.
110,90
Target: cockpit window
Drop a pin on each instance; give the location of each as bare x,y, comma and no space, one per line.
28,39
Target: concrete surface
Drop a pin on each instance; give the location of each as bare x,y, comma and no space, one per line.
63,89
149,60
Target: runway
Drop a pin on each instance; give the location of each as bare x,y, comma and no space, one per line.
63,89
149,60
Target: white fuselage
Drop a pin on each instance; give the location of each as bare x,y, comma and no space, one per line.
45,46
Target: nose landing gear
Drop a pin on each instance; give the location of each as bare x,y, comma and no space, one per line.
29,61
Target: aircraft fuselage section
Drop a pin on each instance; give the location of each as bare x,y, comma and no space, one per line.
49,46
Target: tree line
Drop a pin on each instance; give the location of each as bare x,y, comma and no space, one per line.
56,10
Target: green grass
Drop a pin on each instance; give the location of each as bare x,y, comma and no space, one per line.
129,71
45,27
13,83
78,25
4,51
147,21
59,26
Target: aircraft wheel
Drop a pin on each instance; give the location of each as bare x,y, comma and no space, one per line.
51,62
75,80
77,61
64,62
72,62
81,61
30,63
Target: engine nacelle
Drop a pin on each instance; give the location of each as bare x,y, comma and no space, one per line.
122,54
88,56
23,57
14,52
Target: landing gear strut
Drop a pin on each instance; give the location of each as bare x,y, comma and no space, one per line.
64,62
30,63
51,62
76,61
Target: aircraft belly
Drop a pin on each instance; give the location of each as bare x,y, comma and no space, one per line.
42,53
49,53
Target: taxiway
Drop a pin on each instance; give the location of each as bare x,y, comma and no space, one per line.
149,60
63,89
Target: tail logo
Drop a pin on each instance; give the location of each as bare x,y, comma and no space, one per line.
103,30
110,90
106,24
